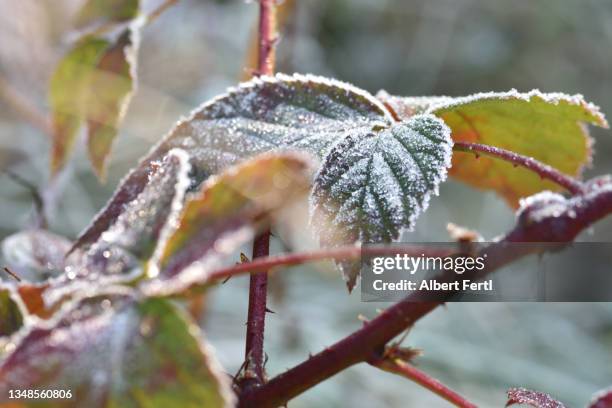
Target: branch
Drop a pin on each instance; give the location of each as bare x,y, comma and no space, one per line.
258,285
343,253
24,108
399,367
543,170
562,225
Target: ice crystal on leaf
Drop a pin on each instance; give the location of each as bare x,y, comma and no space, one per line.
372,185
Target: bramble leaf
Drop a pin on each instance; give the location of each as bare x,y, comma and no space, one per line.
115,349
120,252
548,127
532,398
226,213
92,84
270,113
106,11
372,185
68,94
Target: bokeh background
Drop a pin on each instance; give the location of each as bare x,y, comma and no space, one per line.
408,47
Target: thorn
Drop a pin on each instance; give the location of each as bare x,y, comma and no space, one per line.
243,259
226,279
270,311
12,274
362,318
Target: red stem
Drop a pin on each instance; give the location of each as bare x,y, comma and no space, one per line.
370,340
258,286
340,253
404,369
543,170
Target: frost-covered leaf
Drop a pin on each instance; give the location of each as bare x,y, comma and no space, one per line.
120,252
68,95
11,312
282,112
532,398
374,184
106,11
112,85
225,214
602,399
115,349
35,255
548,127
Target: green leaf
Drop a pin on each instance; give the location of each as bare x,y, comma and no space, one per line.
271,113
93,84
116,349
112,86
373,185
11,313
548,127
106,11
68,96
225,214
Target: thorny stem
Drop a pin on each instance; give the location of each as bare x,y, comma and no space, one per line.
339,254
399,367
370,340
543,170
258,285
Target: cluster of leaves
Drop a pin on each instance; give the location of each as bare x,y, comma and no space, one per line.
381,158
103,325
208,187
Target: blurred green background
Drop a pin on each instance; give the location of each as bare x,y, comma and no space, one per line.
453,47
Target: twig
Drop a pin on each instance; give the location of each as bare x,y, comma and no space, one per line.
578,214
340,254
12,274
24,108
39,203
154,15
258,285
397,366
543,170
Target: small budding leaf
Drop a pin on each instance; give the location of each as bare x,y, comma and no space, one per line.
283,112
374,184
101,12
546,126
11,312
602,399
532,398
115,349
226,213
